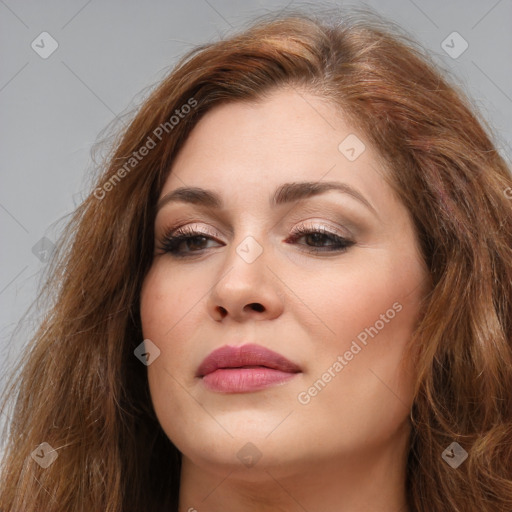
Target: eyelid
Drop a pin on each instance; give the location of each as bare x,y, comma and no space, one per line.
190,215
324,225
339,216
298,230
324,208
311,224
190,226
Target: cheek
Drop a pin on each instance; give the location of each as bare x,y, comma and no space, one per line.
168,300
368,317
170,307
367,295
168,314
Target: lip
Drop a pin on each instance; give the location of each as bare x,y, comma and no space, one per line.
245,368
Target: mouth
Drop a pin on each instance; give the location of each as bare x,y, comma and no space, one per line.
245,368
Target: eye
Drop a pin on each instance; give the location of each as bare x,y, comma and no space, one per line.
322,240
187,242
182,242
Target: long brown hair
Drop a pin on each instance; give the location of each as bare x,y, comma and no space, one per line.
81,389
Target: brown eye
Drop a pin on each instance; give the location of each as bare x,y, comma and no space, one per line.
184,241
321,240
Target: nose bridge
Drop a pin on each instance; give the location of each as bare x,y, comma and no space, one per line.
245,264
250,244
246,287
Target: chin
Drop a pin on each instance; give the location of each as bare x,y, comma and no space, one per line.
248,447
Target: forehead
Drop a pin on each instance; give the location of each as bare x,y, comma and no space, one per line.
289,136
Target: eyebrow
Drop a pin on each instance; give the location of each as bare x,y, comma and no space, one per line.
285,193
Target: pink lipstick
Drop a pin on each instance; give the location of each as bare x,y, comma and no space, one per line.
244,369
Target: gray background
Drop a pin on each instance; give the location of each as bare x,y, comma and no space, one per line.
109,52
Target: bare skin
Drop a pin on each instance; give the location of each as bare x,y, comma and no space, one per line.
339,446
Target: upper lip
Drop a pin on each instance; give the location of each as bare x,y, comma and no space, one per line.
245,355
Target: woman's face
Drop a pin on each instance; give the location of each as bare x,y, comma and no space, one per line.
329,276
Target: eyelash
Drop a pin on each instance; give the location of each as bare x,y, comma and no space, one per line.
172,241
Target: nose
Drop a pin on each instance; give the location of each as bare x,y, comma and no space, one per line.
245,288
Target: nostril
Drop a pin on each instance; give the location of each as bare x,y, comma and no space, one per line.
257,307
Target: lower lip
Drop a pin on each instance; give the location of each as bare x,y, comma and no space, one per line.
243,380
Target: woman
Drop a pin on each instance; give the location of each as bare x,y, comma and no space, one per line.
290,289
